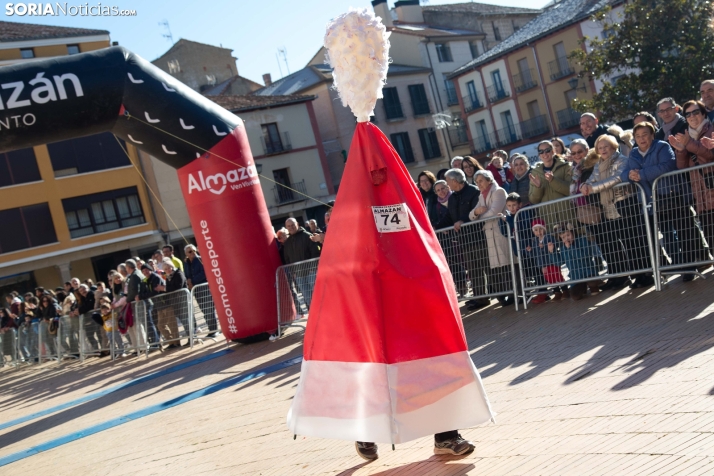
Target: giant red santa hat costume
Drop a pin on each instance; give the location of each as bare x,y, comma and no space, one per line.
385,356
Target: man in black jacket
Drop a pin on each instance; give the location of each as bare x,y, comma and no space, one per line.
136,332
471,241
590,129
149,287
299,247
672,122
195,275
175,281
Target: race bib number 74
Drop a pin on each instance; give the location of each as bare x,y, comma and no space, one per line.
392,218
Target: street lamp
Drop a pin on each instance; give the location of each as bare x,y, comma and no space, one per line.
573,83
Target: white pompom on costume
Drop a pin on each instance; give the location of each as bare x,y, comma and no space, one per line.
358,45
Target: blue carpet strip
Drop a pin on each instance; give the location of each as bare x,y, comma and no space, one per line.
238,379
101,393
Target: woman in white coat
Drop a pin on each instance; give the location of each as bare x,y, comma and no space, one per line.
492,204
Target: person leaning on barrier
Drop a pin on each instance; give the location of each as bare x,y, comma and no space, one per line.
195,275
300,247
521,183
437,206
425,184
611,229
7,335
690,149
133,285
178,310
85,309
492,204
147,290
456,162
469,166
646,162
550,180
470,243
50,311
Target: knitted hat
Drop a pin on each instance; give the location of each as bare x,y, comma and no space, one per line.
538,222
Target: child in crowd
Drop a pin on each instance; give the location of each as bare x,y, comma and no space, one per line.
578,254
503,176
113,335
538,250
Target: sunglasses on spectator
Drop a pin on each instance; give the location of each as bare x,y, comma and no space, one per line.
695,112
190,251
665,110
545,151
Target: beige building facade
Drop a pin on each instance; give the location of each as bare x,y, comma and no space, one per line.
523,90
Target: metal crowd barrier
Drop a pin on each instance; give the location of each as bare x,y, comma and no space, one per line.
204,313
92,336
68,338
624,243
48,345
8,348
294,285
166,316
480,258
684,220
28,342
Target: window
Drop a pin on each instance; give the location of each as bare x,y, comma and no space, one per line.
509,130
496,32
392,106
283,194
72,49
420,104
451,96
27,53
18,166
559,50
533,109
87,154
473,46
101,212
174,66
570,96
497,83
271,138
401,143
26,227
443,52
429,143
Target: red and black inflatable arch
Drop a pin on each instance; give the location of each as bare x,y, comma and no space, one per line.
117,91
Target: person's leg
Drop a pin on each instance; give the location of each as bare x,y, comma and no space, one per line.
153,333
205,301
74,335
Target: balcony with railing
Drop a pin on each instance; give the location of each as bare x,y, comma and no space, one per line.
276,145
560,68
507,135
484,143
534,127
452,99
472,103
496,93
524,80
289,193
458,135
568,118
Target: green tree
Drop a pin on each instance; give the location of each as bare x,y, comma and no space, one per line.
656,49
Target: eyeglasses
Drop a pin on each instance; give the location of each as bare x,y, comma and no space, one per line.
695,112
190,251
665,110
545,151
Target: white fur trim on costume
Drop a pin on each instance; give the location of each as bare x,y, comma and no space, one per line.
358,51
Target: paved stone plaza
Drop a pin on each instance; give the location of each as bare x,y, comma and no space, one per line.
619,383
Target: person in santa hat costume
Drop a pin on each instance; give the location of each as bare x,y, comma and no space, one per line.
385,355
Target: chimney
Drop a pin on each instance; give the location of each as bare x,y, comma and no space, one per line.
267,79
409,11
381,9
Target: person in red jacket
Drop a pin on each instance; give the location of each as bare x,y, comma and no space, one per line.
503,176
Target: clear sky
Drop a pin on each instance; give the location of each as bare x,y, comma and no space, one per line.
253,29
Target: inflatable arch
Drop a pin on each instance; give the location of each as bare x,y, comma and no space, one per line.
117,91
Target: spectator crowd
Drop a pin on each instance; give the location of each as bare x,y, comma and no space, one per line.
583,209
107,310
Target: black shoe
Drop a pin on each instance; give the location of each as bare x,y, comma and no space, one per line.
614,283
368,451
642,281
690,275
173,346
506,301
212,334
